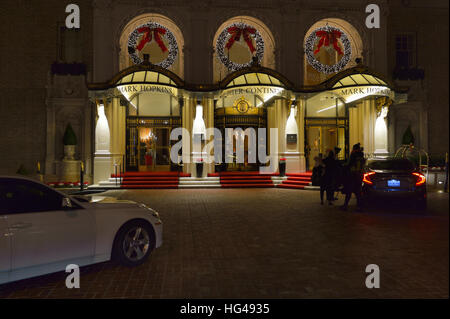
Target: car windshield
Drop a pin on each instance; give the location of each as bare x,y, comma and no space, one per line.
392,164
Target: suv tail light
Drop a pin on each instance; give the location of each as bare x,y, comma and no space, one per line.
366,178
420,179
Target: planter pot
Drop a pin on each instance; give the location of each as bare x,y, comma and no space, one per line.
199,167
282,168
69,152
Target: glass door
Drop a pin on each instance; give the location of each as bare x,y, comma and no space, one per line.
148,148
322,138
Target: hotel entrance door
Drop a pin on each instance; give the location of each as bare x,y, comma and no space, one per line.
148,147
153,150
324,136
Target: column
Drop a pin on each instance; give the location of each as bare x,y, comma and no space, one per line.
87,151
187,122
381,133
301,133
117,121
208,116
102,159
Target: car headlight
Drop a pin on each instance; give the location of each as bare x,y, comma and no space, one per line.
151,210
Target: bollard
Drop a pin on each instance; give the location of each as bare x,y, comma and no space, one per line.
81,176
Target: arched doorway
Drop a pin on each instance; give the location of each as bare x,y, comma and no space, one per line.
237,41
330,54
152,111
155,35
349,108
242,114
137,109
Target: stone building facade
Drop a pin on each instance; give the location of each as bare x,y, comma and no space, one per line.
52,76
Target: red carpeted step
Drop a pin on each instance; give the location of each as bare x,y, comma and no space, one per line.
185,174
242,185
151,174
213,175
299,178
296,180
143,178
253,178
308,175
245,174
246,182
149,182
136,180
168,186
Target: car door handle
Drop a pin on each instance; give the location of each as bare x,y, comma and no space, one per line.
21,225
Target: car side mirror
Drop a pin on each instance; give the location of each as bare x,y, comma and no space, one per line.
66,203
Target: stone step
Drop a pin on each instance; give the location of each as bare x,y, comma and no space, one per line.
195,179
199,186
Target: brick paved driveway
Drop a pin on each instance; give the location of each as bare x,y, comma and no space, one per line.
269,243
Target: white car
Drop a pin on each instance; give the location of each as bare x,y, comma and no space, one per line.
43,230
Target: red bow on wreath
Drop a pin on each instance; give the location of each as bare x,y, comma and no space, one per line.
328,37
236,33
148,37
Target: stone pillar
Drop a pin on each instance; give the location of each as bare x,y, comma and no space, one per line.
381,133
187,122
358,125
369,117
117,121
102,159
87,145
301,133
272,150
281,109
291,151
199,127
208,116
287,125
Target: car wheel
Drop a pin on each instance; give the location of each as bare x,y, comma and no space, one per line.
134,243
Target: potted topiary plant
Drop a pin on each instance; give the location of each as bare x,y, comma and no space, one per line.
70,142
408,136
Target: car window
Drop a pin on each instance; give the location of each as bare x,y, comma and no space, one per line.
21,196
401,164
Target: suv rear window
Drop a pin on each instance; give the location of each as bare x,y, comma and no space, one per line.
393,164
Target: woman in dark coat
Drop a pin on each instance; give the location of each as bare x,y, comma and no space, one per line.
317,171
354,176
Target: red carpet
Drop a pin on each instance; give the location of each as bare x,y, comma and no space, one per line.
296,180
244,179
151,179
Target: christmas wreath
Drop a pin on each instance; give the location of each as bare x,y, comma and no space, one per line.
328,38
233,33
144,34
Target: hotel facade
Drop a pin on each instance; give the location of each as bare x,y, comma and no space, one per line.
306,76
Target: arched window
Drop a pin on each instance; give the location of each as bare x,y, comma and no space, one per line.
155,35
237,41
328,53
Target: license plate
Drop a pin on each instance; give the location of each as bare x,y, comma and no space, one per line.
393,183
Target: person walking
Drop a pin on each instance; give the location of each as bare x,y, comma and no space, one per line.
329,177
354,177
317,171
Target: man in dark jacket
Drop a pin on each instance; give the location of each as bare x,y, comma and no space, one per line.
329,177
354,176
